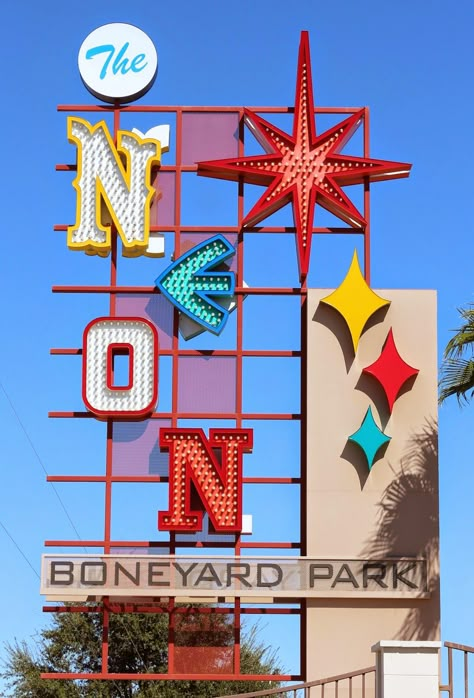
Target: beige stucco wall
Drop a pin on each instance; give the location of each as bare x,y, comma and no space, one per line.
391,511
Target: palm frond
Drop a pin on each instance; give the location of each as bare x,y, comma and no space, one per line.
457,378
464,337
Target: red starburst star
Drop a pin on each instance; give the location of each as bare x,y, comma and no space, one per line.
304,169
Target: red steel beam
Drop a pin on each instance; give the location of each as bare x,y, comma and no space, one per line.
165,478
61,228
69,351
170,677
190,415
239,290
165,544
167,109
124,607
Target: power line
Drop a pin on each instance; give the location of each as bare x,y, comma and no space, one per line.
18,548
38,457
23,428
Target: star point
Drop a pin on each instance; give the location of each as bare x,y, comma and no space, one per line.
370,438
355,301
303,169
391,371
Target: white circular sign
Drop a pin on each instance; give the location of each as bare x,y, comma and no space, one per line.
118,62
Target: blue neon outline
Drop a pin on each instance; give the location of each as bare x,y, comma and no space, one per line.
205,271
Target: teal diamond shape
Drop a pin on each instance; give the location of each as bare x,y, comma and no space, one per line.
369,437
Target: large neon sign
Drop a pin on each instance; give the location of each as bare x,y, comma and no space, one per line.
182,419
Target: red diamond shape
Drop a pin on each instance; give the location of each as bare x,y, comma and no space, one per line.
391,371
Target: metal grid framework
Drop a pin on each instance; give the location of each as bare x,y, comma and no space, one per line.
108,478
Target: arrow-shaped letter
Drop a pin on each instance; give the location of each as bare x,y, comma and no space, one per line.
191,286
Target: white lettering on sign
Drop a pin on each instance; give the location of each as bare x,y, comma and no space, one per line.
118,62
109,192
105,339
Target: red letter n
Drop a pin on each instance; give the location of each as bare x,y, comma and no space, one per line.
214,467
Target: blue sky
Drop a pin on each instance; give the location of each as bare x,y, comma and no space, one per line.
411,63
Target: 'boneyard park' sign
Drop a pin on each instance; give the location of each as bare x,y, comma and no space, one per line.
154,575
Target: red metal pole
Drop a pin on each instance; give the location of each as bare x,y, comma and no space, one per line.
367,198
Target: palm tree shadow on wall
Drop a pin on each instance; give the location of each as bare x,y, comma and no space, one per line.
407,525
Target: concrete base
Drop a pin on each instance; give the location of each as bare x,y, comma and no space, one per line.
408,669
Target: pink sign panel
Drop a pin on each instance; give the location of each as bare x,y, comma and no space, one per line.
209,136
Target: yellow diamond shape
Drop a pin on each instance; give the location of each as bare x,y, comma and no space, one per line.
355,301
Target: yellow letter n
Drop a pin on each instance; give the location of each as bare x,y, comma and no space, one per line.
111,190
